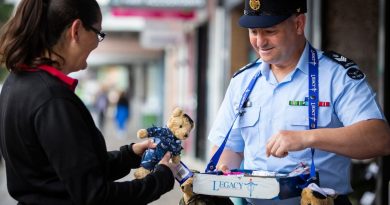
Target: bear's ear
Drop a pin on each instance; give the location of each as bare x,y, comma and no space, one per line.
177,112
318,195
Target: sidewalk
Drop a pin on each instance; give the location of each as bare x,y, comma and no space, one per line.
5,199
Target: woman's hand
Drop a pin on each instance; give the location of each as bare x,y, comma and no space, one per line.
166,160
140,147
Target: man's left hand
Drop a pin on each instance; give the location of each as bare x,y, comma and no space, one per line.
284,141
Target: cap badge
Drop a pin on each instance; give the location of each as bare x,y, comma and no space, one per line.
254,4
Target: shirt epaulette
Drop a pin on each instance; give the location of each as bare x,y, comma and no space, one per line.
245,68
340,59
352,69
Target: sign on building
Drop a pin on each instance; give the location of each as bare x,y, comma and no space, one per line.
177,4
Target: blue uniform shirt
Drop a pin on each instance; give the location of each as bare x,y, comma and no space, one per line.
268,112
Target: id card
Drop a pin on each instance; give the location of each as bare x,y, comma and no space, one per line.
182,173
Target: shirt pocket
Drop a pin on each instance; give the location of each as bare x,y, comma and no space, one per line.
298,119
248,118
248,121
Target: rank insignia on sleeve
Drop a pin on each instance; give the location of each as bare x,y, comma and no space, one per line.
352,69
340,59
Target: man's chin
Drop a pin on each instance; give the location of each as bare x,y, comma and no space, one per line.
266,58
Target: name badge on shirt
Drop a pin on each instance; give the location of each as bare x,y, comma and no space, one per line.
248,104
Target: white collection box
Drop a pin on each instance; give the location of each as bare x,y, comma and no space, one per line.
253,184
236,186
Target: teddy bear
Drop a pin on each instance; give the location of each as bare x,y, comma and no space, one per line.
191,198
186,188
167,138
314,195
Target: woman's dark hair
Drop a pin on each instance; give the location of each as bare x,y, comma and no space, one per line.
37,26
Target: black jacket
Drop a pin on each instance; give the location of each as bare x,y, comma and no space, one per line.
55,155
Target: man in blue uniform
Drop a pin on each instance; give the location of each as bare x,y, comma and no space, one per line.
302,98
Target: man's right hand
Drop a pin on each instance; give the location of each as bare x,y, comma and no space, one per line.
229,160
224,168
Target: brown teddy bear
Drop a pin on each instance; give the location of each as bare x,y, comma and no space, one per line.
168,139
191,198
186,188
312,195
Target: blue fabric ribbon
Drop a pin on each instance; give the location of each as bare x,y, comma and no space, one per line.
313,100
211,166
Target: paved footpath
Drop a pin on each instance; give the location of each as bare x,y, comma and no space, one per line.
5,199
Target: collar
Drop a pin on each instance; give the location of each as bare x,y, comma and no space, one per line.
301,65
304,60
71,83
265,70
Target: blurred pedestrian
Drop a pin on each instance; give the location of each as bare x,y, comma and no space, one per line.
53,152
122,114
101,106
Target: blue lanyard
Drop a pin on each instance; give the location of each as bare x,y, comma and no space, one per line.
313,109
214,160
313,100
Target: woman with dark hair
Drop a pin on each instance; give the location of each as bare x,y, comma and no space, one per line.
53,152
